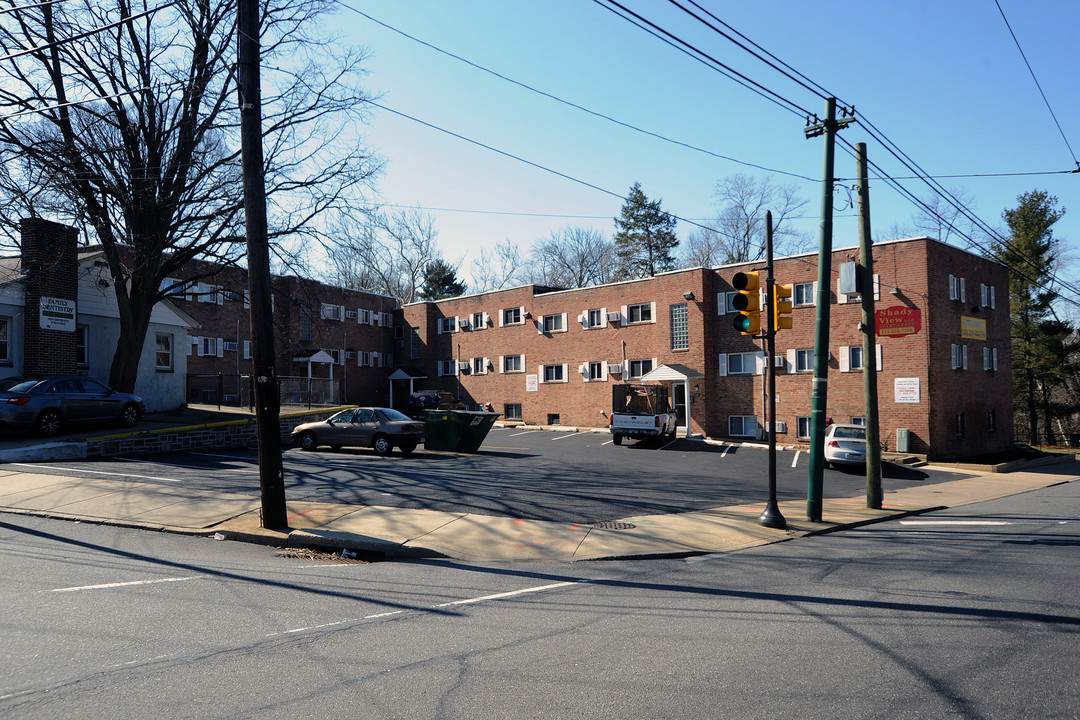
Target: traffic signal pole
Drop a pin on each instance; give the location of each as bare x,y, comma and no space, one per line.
820,389
771,517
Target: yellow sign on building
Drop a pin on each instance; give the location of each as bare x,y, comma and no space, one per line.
972,328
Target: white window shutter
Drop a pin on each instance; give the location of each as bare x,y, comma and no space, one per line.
220,347
564,326
522,312
841,298
791,361
623,316
879,357
247,349
845,358
877,286
993,304
652,310
654,365
994,354
963,293
721,303
965,350
566,372
759,363
722,371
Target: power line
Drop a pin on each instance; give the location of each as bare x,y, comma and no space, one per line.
571,104
1037,83
520,159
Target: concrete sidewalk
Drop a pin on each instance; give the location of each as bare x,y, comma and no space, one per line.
400,533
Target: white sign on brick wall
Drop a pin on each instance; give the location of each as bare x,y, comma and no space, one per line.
532,383
57,314
906,390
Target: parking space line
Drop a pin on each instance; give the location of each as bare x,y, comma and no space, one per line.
97,472
795,460
565,435
527,432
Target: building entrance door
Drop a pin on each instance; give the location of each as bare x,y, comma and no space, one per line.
678,395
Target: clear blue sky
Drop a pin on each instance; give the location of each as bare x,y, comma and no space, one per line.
943,80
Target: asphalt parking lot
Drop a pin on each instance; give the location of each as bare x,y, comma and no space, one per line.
525,473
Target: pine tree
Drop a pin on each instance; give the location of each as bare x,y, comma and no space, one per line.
440,281
645,237
1031,254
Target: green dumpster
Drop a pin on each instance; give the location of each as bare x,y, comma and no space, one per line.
458,430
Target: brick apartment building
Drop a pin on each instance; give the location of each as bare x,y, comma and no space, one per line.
341,339
549,356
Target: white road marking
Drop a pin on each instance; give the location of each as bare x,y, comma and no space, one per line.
795,460
97,472
527,432
564,435
512,593
126,584
723,453
954,522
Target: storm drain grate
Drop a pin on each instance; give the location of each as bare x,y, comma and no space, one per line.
614,526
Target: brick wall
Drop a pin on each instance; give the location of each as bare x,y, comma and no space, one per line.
49,260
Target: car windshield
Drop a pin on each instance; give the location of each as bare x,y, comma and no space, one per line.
17,385
850,433
391,414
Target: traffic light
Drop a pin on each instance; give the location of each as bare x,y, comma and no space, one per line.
781,307
748,321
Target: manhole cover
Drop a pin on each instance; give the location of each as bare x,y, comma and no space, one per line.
614,526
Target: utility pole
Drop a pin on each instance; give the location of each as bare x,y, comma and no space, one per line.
772,516
267,407
820,390
866,276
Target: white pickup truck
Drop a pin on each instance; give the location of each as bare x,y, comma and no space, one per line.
641,411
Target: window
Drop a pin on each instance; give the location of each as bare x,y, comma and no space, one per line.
803,293
639,313
990,358
956,288
738,364
596,318
959,357
231,295
163,352
447,325
680,327
852,360
723,302
479,321
513,316
332,312
554,323
802,424
640,367
854,355
447,367
208,347
338,356
305,323
229,345
742,426
596,372
512,411
5,342
991,420
479,366
363,316
988,299
960,425
363,359
82,342
416,346
804,360
861,421
513,363
554,373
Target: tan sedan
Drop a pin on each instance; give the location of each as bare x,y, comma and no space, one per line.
381,429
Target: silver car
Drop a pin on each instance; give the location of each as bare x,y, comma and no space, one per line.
845,445
382,429
47,404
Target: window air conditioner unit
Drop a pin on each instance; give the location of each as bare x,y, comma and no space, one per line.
464,365
614,368
614,317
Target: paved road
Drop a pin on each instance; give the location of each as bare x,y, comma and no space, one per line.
970,613
560,476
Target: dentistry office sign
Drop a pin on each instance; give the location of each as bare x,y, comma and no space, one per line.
57,314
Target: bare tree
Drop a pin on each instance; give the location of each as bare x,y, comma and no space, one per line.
498,269
125,123
943,220
387,254
737,234
571,258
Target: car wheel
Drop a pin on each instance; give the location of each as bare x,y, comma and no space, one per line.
129,415
406,447
382,445
48,423
617,439
308,441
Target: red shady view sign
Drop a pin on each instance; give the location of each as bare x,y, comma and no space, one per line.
898,321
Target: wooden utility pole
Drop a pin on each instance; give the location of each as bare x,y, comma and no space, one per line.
267,407
869,355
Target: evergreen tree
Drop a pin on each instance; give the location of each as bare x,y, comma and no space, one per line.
1038,349
645,237
440,281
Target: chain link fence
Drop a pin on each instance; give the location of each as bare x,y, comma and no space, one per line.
236,391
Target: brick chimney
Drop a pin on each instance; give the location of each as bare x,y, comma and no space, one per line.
50,264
